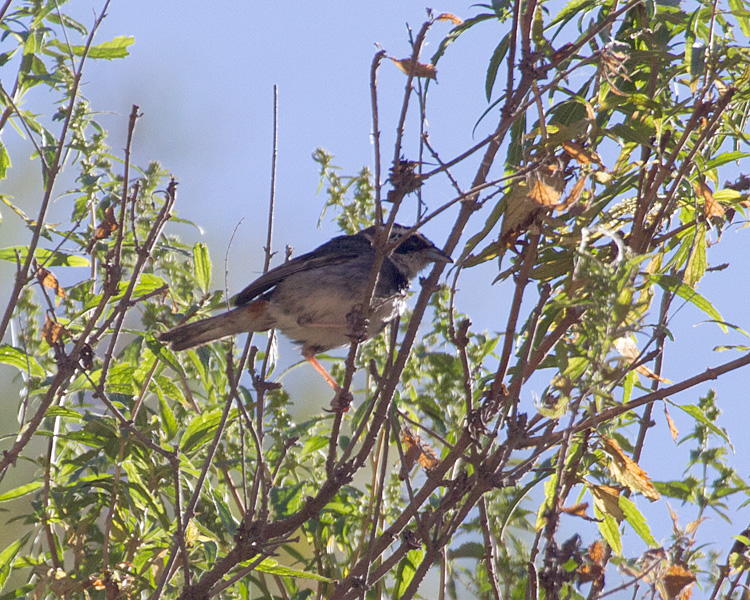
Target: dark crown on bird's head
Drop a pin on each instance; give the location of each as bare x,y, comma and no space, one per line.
414,251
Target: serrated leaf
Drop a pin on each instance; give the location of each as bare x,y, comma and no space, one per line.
312,444
200,429
637,521
610,531
202,263
225,514
117,47
7,557
673,284
167,419
626,471
22,361
697,414
45,257
741,14
4,161
269,565
21,490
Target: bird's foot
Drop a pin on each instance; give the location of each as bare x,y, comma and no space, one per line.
342,401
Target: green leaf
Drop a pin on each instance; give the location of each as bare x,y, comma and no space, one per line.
269,565
166,418
741,14
63,413
610,531
200,430
147,284
225,514
673,284
637,521
22,361
117,47
22,490
698,415
407,568
4,161
202,266
7,557
497,57
313,443
696,265
45,257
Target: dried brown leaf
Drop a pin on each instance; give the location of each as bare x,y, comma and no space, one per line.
47,279
52,331
672,427
607,500
577,510
580,154
711,208
627,472
574,194
546,185
676,579
449,17
415,450
420,69
629,351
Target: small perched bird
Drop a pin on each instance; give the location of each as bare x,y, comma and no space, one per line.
314,298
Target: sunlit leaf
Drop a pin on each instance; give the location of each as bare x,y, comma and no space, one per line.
22,361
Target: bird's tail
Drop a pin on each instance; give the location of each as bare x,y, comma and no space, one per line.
239,320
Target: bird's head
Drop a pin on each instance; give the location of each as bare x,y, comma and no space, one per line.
413,252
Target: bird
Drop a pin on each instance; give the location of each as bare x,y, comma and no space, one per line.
314,299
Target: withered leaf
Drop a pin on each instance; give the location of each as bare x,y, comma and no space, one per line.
593,569
449,17
607,500
574,194
578,510
629,351
415,450
676,579
47,279
711,208
589,572
107,226
627,472
580,154
546,185
672,427
52,331
420,69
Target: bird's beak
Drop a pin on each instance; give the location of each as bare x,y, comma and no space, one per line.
437,255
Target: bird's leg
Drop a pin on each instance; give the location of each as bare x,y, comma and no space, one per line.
343,398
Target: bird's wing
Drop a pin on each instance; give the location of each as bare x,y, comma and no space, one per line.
336,251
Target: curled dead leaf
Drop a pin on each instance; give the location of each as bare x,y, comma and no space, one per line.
581,155
415,450
52,331
672,427
593,568
427,71
47,279
677,579
711,208
449,17
607,500
629,351
627,472
578,510
105,228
